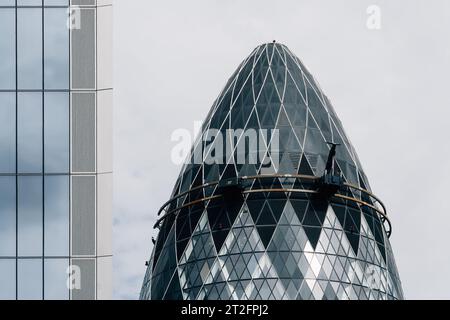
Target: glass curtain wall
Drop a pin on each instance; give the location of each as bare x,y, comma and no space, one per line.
34,149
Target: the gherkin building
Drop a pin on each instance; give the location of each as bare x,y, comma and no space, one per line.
291,216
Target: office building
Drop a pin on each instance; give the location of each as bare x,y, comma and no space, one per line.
55,149
301,222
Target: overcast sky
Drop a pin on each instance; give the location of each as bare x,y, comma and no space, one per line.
390,88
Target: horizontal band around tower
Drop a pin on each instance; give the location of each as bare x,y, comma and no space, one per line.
306,178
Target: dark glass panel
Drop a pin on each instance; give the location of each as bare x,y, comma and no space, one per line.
55,279
8,279
265,234
56,50
30,217
7,132
7,216
29,136
7,47
29,48
313,234
56,226
56,132
29,279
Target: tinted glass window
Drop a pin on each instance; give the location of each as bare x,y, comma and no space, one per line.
7,216
55,279
56,132
7,132
29,48
56,225
7,48
29,279
29,133
30,216
7,279
56,50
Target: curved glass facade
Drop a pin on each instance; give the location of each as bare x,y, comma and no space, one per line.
252,222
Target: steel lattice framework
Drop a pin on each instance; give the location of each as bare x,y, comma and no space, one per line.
276,237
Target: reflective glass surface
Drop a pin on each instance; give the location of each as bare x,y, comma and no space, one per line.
56,223
29,132
55,279
7,49
56,48
29,2
259,243
7,2
8,279
34,149
7,216
30,218
29,48
56,2
56,132
29,279
7,132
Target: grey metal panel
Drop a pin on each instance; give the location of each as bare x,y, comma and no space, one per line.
104,131
104,214
105,47
83,132
83,216
87,279
83,2
83,51
104,278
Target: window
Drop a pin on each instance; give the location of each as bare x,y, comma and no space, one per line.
7,2
7,279
7,48
56,132
56,225
56,2
56,50
7,132
7,216
29,48
29,279
29,135
30,217
29,2
55,279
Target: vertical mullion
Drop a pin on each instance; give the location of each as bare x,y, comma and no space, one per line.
43,153
70,139
96,149
17,164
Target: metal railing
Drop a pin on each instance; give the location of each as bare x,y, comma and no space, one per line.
366,199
